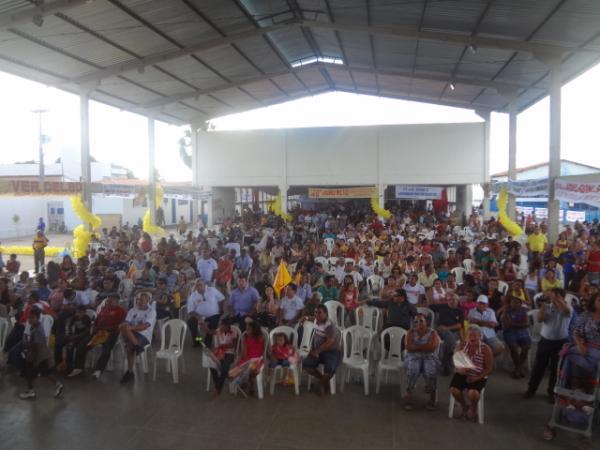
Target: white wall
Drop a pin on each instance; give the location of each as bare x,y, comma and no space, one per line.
29,209
412,154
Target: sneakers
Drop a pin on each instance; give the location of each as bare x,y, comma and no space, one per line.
75,372
96,374
58,390
27,395
127,377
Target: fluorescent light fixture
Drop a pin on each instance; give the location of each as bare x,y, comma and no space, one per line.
452,86
317,59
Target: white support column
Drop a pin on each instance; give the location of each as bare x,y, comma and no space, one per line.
195,173
486,115
283,187
512,151
86,167
554,157
151,171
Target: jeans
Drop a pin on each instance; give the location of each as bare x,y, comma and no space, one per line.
547,354
106,351
220,377
589,362
212,322
450,338
330,359
76,353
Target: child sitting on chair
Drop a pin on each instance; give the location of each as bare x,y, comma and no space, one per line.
282,354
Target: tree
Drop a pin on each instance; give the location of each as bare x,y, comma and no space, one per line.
185,148
16,219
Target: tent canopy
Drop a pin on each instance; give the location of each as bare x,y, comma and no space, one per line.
187,61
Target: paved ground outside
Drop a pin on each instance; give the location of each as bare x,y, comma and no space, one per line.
56,240
158,415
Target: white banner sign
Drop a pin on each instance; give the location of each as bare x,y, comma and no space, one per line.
524,188
414,192
577,192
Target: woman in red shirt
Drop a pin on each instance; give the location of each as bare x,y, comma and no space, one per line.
593,262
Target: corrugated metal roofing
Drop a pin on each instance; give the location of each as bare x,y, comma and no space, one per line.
191,60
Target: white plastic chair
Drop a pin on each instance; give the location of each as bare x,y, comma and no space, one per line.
323,261
375,284
356,351
142,357
468,265
260,377
292,335
393,358
429,313
349,260
183,313
336,312
459,273
503,287
480,408
368,317
305,347
173,351
329,243
308,329
571,299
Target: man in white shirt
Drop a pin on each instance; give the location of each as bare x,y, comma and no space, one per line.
486,319
136,331
415,292
204,305
206,267
291,306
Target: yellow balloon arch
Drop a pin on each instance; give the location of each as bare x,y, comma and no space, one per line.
511,226
147,225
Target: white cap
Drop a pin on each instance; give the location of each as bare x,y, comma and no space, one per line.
482,299
485,249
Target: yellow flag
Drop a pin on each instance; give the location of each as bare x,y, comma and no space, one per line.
282,278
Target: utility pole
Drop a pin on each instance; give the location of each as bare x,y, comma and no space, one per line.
41,140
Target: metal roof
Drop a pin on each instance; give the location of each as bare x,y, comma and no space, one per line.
187,61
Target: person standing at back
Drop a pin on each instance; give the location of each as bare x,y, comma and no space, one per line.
40,242
555,317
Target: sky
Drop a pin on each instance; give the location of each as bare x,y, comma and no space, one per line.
121,137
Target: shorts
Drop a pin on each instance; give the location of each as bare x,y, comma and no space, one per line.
493,342
279,362
517,337
142,343
459,381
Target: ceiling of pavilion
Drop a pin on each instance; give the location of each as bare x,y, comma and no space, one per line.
187,61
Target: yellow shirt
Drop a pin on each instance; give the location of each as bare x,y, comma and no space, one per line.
427,280
559,248
547,285
40,242
537,242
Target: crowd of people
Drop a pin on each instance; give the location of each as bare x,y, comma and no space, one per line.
469,290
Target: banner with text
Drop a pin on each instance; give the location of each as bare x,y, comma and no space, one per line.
524,188
37,188
414,192
576,192
342,193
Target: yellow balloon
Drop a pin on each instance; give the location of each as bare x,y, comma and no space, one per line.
381,212
28,251
84,214
511,226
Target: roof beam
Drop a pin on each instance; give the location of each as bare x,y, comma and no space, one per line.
498,86
451,38
37,13
136,64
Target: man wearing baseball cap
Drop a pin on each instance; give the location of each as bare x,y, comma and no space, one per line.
485,317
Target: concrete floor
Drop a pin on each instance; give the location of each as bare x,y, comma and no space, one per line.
158,415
